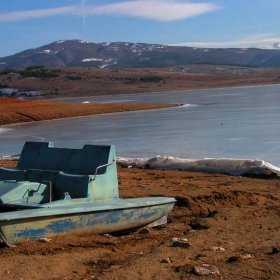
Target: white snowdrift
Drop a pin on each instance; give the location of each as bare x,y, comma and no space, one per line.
235,167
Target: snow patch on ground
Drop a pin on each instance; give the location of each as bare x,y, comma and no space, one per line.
92,59
2,130
235,167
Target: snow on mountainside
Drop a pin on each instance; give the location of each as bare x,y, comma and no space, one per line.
274,46
136,55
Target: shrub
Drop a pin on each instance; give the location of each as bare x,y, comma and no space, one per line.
73,78
151,79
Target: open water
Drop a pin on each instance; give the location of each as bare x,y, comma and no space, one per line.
241,122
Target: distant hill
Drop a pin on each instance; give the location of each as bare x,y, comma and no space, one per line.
130,55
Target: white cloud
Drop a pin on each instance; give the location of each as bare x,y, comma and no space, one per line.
257,40
160,10
31,14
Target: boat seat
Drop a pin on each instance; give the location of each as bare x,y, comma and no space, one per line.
12,174
75,185
79,172
39,175
43,156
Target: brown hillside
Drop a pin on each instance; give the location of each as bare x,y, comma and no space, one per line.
79,81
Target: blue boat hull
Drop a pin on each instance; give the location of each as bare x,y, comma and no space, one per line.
114,216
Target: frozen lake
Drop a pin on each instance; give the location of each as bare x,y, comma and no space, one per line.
241,122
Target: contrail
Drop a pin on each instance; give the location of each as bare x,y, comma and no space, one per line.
84,17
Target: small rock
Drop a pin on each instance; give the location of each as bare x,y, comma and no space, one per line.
190,231
44,239
246,257
139,253
217,248
240,257
206,269
167,260
144,231
180,242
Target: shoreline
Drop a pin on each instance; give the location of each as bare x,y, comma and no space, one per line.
163,91
83,116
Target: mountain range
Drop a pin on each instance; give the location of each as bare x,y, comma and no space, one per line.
119,55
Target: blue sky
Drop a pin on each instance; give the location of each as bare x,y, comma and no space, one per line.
29,24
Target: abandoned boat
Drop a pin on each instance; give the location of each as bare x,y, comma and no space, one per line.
54,191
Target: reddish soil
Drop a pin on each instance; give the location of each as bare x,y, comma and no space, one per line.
231,223
16,110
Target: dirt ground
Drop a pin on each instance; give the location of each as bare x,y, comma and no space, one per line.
231,224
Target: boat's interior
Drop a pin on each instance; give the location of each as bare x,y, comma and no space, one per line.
46,174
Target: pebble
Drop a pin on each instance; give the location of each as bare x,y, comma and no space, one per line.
246,257
240,257
139,253
180,242
167,260
217,248
206,269
189,231
43,239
